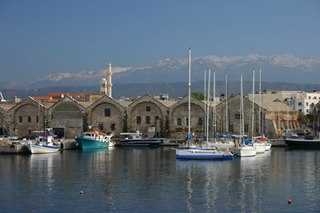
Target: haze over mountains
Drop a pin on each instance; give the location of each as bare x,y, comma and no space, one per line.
169,75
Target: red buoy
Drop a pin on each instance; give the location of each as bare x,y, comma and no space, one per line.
289,201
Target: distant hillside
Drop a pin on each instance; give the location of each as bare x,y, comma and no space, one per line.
174,90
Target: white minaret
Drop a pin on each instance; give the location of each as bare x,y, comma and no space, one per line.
109,81
103,86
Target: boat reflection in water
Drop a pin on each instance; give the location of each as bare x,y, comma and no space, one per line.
224,185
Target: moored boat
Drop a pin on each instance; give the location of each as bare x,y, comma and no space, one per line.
303,143
43,148
45,143
136,139
94,140
203,154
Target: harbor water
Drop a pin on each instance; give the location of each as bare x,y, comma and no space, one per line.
152,180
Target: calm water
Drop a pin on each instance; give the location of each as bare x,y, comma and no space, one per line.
152,180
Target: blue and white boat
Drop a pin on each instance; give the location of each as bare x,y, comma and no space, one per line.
44,144
94,140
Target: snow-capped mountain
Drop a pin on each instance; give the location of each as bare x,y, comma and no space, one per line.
280,68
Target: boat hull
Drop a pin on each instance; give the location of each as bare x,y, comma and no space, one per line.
202,154
140,143
246,151
303,143
42,149
86,143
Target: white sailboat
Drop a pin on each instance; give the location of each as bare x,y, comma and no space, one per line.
260,140
241,149
260,146
199,153
220,143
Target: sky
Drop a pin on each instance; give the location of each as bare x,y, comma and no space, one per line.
38,37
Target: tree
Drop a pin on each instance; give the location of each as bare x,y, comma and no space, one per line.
197,95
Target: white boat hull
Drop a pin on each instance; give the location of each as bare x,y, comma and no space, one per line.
42,149
222,145
246,151
260,147
203,154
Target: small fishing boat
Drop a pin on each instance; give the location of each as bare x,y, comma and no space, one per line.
44,144
94,140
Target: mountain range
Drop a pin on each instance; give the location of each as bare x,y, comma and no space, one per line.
170,75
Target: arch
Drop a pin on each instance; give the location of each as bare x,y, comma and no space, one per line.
27,117
107,114
66,117
179,119
147,115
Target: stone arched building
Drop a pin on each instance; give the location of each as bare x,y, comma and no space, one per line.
178,119
26,117
107,115
66,117
147,115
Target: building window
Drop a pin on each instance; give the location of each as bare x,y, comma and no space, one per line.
138,120
187,121
309,97
148,108
237,116
107,112
200,121
179,122
100,126
20,119
113,127
37,119
307,104
148,119
157,118
299,103
29,119
29,131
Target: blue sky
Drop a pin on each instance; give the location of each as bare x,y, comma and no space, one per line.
38,37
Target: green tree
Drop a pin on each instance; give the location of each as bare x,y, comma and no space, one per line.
197,95
307,120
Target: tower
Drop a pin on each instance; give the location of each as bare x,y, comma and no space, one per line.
109,81
103,86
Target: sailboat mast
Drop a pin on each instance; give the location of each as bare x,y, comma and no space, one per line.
189,97
260,103
208,105
226,98
214,106
241,109
252,121
205,104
